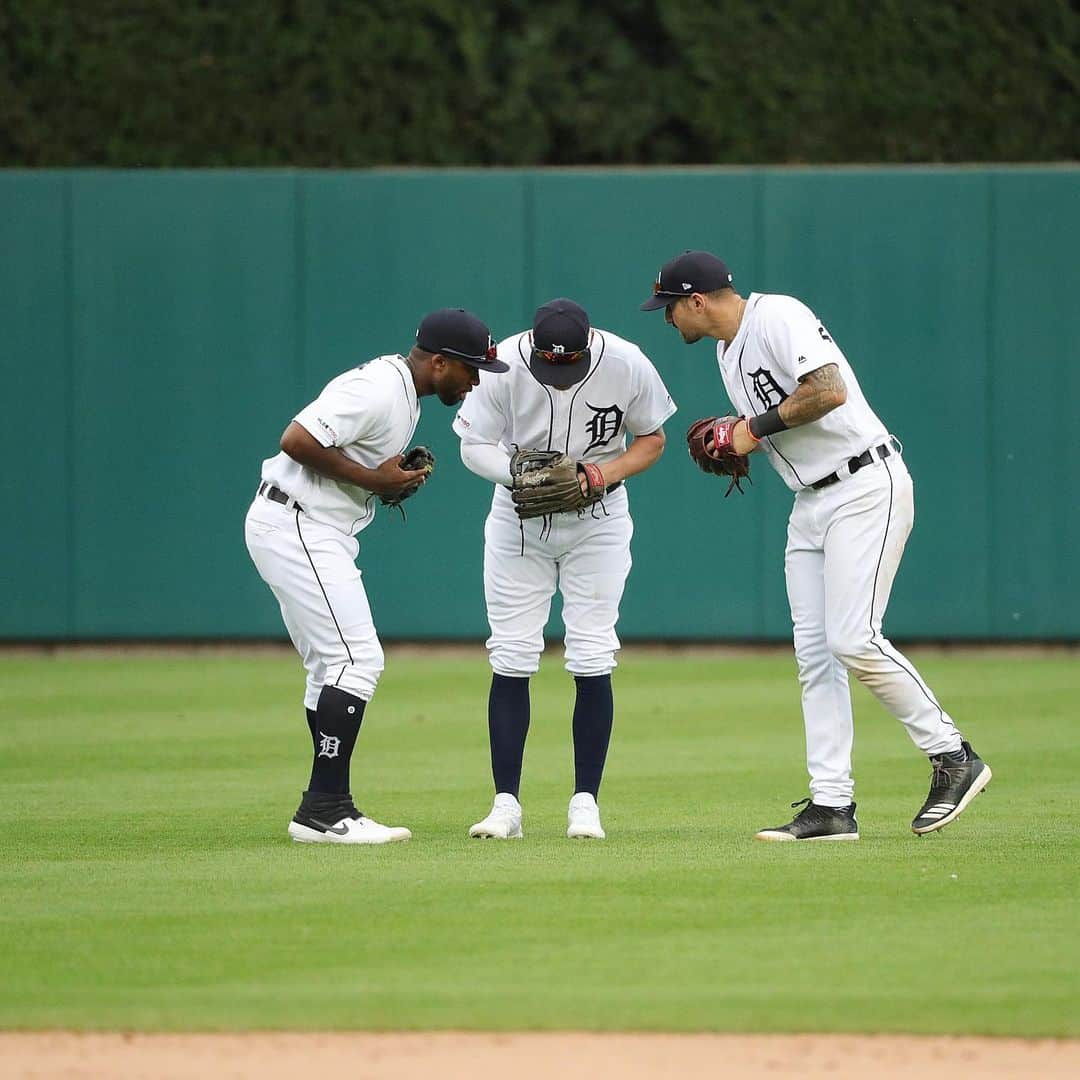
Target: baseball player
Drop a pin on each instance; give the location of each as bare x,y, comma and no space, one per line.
340,457
801,404
571,397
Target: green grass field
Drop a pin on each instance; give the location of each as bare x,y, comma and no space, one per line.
146,880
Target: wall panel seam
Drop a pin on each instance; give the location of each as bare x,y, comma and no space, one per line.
991,591
528,205
300,284
68,289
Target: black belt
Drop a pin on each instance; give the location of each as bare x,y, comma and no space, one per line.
275,494
856,463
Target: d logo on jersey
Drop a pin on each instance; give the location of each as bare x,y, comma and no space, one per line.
766,388
604,424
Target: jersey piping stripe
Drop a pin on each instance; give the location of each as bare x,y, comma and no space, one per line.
873,601
404,386
337,626
551,400
768,438
581,386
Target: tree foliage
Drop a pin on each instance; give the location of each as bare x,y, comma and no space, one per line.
605,82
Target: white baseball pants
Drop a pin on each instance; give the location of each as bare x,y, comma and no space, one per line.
586,557
312,571
844,547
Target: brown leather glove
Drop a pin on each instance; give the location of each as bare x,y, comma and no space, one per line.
548,482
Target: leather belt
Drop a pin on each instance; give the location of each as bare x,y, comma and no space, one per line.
853,465
275,494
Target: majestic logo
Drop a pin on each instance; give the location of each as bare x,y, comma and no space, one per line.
604,424
766,388
328,745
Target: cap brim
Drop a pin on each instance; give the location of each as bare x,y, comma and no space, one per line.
560,375
657,301
481,365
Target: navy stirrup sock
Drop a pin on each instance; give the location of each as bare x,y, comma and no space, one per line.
594,710
508,724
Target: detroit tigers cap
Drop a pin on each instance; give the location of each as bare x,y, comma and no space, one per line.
690,272
560,343
459,333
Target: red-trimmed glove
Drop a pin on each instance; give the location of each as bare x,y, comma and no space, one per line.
708,442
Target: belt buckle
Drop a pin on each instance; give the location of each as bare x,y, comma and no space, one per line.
272,493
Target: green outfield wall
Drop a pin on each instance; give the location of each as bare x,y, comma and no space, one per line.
160,329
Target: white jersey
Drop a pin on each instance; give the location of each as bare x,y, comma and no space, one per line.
369,412
622,393
780,340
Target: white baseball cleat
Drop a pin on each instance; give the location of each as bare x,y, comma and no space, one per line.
504,821
583,818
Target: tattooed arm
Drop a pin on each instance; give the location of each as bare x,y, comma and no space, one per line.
819,392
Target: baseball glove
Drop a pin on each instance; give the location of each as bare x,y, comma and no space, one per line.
709,444
419,457
548,482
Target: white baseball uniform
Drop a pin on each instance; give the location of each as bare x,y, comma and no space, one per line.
845,539
586,555
304,546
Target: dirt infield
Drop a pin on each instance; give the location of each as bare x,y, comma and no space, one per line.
453,1055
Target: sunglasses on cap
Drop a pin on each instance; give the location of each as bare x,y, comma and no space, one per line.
658,290
559,355
489,357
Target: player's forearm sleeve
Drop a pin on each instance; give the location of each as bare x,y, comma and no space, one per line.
486,460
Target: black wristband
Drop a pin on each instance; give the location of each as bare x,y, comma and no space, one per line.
768,423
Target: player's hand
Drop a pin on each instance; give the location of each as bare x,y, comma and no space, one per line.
591,483
742,441
391,479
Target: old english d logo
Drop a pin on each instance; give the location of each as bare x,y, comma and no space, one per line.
604,424
766,388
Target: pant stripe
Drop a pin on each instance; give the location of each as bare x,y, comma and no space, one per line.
325,597
873,602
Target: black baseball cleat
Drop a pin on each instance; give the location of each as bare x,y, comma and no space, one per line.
815,822
325,818
957,779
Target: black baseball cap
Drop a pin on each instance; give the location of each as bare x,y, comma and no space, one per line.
690,272
560,343
460,334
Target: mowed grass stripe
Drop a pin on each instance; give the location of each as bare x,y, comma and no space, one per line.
147,883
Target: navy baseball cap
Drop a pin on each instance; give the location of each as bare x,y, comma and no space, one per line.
560,343
460,334
688,273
